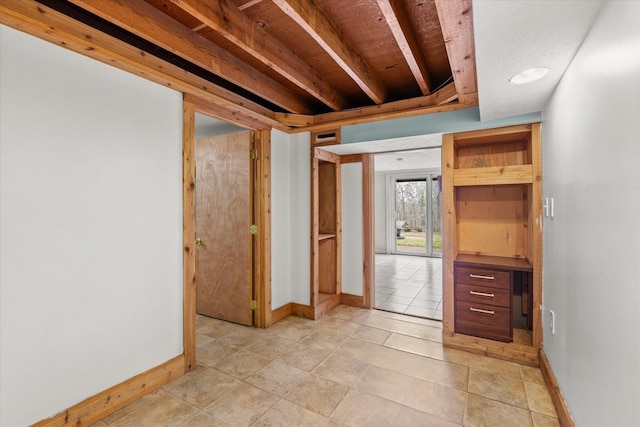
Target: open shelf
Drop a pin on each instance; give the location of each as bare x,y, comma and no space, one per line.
326,236
516,264
483,150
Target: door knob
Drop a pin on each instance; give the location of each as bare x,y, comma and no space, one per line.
198,241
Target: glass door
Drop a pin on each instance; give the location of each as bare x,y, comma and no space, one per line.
417,214
410,214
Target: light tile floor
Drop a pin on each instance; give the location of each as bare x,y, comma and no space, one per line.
410,285
353,367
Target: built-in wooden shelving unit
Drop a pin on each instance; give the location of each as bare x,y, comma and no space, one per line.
326,233
492,183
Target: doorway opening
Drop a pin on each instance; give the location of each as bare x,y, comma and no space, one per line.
408,233
417,214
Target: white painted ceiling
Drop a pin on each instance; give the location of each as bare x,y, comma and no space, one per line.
430,158
382,145
512,36
410,149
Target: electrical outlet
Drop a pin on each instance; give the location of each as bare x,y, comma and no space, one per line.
552,322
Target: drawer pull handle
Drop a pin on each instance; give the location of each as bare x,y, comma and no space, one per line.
479,276
477,310
482,294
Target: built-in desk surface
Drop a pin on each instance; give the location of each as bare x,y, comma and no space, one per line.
514,264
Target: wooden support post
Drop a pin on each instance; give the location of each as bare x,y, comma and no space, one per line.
189,236
262,263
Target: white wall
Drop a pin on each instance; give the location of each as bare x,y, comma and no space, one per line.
90,227
591,151
300,218
206,126
291,215
352,243
380,213
280,219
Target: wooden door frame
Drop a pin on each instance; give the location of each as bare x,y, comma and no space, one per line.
262,243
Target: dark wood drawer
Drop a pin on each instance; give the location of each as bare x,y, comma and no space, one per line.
483,295
483,277
482,320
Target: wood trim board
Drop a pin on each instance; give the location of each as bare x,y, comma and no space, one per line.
314,221
326,305
280,313
263,220
522,174
301,310
353,300
368,225
536,212
512,352
448,229
189,236
338,258
564,416
110,400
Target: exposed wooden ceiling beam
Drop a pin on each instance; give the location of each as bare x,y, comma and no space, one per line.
144,20
398,21
456,20
248,4
314,21
231,23
40,21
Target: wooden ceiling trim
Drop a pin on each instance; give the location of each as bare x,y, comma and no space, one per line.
398,21
231,23
295,120
144,20
396,107
40,21
357,120
435,103
456,21
235,117
316,23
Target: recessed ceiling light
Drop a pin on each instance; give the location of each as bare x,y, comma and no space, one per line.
528,76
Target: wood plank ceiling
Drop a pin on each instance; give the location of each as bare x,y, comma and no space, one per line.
299,63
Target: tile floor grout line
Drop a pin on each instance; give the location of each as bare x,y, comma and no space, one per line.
503,403
354,320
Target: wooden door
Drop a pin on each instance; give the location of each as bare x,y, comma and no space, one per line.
223,217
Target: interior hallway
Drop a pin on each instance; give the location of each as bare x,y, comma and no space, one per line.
409,284
353,367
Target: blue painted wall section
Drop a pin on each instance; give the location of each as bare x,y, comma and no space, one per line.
446,122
